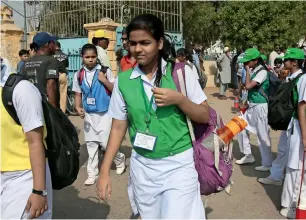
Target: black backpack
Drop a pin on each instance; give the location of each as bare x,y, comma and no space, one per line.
274,83
62,138
281,107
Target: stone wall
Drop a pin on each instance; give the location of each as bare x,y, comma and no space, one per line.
11,37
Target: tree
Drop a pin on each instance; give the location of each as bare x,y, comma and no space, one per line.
262,24
199,22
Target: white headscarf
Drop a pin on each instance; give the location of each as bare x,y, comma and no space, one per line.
6,70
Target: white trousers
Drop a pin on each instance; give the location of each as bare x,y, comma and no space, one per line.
166,188
291,188
258,121
16,187
93,157
279,164
265,150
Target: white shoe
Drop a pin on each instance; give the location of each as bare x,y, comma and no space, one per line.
288,213
263,168
121,168
246,159
90,181
269,181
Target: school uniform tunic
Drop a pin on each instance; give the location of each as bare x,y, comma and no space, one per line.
97,125
163,183
257,118
295,152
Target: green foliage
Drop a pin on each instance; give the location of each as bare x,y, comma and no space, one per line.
199,22
262,24
246,23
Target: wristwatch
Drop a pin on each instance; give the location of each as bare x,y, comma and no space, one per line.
40,192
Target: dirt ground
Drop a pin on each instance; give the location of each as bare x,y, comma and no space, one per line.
248,200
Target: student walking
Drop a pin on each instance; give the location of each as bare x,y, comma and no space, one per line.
26,188
257,113
163,182
296,132
90,85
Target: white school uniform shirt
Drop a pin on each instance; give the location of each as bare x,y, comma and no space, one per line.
194,70
29,111
94,123
296,150
118,110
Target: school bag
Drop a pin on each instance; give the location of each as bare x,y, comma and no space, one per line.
81,75
62,138
282,106
213,159
274,83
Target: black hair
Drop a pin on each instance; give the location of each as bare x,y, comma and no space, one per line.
153,25
278,61
34,46
169,50
181,52
94,41
57,44
262,62
23,52
87,47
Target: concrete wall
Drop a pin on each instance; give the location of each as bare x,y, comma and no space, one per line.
211,72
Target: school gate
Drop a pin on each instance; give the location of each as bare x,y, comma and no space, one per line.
74,22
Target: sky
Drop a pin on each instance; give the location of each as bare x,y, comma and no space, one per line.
17,6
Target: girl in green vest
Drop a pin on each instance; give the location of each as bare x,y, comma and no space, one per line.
296,133
257,83
163,182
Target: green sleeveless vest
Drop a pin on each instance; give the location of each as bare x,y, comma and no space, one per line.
167,123
254,95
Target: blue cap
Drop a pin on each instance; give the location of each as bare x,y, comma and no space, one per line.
43,38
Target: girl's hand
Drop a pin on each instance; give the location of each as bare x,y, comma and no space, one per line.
104,186
166,97
80,112
102,77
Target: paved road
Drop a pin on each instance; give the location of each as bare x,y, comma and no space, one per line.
248,200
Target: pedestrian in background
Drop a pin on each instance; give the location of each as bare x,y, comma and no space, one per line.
224,64
63,63
24,56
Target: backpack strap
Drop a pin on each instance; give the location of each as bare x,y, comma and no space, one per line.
260,89
81,75
7,95
178,75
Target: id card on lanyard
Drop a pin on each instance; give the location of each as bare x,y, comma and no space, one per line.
90,100
143,139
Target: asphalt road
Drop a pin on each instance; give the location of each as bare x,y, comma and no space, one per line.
248,200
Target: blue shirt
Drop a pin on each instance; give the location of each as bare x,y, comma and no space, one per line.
20,65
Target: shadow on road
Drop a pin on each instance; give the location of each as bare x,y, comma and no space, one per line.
274,192
68,205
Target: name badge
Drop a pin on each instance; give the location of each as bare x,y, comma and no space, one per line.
145,141
91,101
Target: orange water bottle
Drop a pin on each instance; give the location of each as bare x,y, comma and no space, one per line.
231,129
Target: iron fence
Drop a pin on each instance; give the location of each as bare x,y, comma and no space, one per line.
66,18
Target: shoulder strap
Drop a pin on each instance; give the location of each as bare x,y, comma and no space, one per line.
260,89
81,74
178,75
7,94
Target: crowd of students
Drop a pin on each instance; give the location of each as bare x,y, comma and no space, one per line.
143,100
